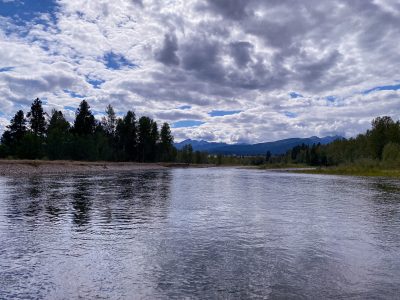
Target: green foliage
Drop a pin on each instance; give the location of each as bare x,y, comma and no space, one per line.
14,134
127,140
186,154
126,137
166,147
145,139
384,130
59,138
85,123
83,147
3,151
111,139
31,146
37,118
391,153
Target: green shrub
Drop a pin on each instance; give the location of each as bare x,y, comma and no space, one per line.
391,154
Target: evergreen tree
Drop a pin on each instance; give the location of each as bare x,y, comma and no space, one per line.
166,147
85,123
88,139
102,143
12,137
187,154
84,144
268,156
126,136
58,136
144,138
154,138
37,118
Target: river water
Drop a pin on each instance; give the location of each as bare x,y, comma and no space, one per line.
199,233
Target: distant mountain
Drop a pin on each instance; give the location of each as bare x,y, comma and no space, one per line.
200,145
277,147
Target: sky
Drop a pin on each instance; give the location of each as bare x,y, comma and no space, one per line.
235,71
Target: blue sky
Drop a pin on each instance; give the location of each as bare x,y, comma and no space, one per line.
243,71
26,9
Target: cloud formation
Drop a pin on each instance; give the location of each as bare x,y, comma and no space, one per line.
290,68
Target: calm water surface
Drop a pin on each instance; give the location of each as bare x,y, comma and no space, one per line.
199,233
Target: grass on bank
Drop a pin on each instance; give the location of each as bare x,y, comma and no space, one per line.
277,166
364,167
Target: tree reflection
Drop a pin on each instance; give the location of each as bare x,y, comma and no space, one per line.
81,201
135,198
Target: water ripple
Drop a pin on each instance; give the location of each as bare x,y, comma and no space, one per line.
199,233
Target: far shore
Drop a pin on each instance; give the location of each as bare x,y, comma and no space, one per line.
15,167
27,167
354,171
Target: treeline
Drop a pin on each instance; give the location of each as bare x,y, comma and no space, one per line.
37,135
380,145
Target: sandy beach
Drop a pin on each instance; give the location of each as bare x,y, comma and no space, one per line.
26,167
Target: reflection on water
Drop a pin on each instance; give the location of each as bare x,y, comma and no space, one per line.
202,233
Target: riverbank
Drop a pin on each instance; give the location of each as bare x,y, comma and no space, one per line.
353,171
23,167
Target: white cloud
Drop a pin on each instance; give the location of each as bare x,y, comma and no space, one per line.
212,56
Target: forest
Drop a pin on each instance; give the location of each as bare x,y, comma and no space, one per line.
39,136
36,135
380,145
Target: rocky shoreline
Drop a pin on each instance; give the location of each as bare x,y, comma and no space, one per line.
28,167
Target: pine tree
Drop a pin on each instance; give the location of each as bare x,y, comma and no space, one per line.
58,136
166,146
37,118
85,123
144,138
154,139
15,132
126,135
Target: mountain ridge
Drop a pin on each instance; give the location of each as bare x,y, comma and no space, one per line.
275,147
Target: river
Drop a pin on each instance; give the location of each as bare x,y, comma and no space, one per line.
199,233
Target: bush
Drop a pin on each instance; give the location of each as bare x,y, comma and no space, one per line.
391,153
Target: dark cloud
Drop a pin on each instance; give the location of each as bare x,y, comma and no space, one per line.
232,9
167,54
201,56
246,54
138,2
240,52
312,71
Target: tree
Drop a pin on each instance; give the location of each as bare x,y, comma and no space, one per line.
83,143
187,154
154,138
166,147
58,136
391,153
268,156
37,119
144,138
109,122
12,137
85,123
384,130
126,136
102,143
